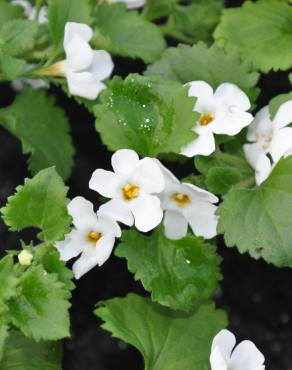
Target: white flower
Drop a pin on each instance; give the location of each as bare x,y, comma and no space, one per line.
29,10
25,257
245,356
20,83
187,204
93,237
131,4
222,112
269,137
131,187
84,68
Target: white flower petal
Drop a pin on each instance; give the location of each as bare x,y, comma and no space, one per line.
72,246
200,194
204,94
147,212
82,212
85,262
231,123
104,249
202,219
106,225
281,143
169,177
84,85
217,360
203,145
124,161
232,97
261,124
73,28
225,341
149,176
246,356
104,182
102,65
259,161
79,55
284,115
118,210
175,225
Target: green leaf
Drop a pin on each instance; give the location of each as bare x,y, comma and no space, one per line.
61,12
178,273
9,12
166,339
148,115
41,202
11,67
8,281
220,179
259,221
51,262
4,333
196,21
17,37
41,309
185,63
22,353
262,31
43,130
155,9
126,33
275,103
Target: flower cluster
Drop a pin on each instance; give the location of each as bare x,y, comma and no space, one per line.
271,140
224,356
140,191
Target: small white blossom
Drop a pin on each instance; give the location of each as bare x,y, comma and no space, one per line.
84,68
131,4
132,187
269,137
222,112
29,10
245,356
185,204
93,237
25,257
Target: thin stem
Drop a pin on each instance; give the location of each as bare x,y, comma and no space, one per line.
247,183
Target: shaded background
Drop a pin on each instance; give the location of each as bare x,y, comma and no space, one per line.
256,296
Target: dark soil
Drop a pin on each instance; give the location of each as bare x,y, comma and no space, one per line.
257,296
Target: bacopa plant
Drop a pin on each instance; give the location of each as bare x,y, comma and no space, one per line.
193,105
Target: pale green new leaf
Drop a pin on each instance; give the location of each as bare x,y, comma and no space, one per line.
178,273
22,353
259,221
43,130
40,310
126,33
262,31
61,12
185,63
166,339
41,202
148,115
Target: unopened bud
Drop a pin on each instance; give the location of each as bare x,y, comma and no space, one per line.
25,258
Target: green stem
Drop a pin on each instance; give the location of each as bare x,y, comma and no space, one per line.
38,6
247,183
233,160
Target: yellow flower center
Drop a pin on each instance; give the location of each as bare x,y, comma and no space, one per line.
94,236
181,199
206,118
130,191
